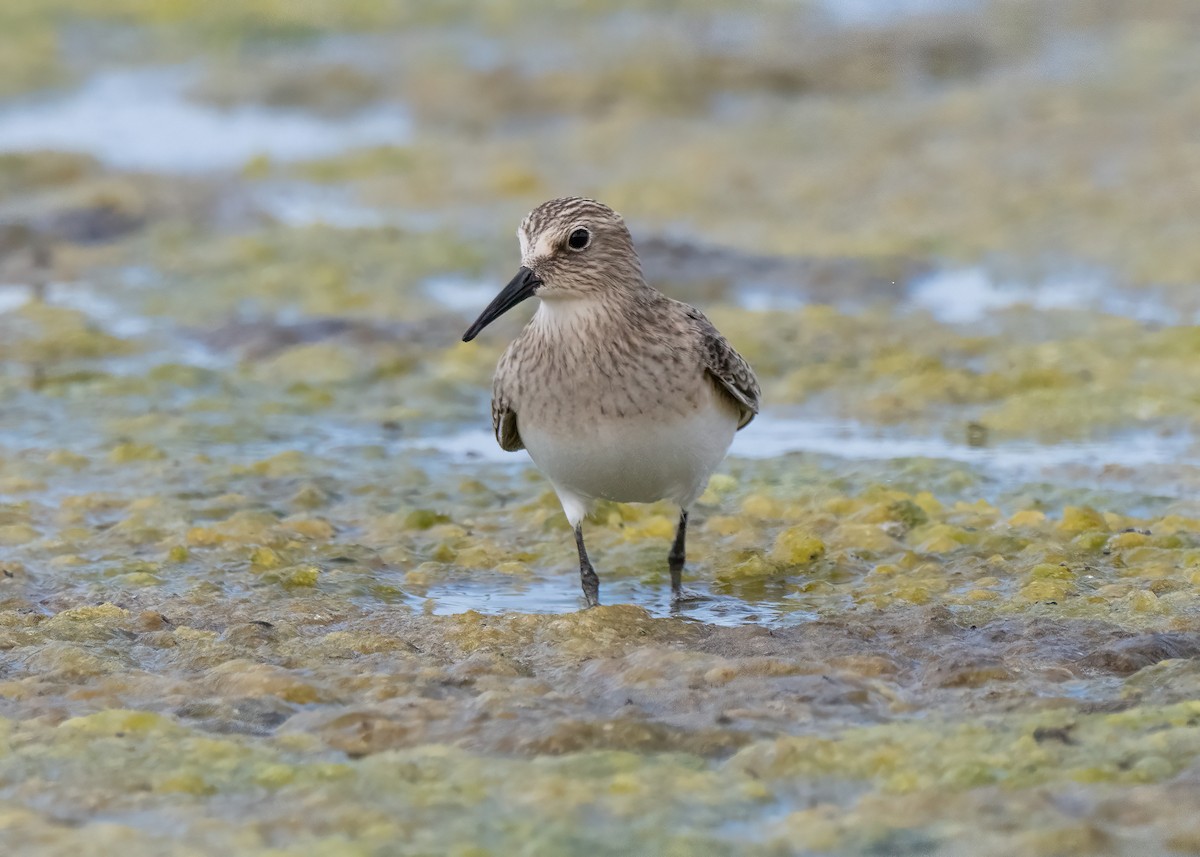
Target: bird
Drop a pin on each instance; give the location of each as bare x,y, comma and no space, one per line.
615,390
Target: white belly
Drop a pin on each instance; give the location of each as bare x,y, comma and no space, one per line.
631,460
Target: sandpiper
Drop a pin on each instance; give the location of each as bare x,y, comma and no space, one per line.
615,390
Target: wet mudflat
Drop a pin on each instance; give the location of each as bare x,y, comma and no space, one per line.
268,587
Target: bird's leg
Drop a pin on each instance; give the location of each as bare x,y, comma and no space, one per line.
587,574
675,559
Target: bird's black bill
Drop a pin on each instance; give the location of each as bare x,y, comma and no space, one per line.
518,289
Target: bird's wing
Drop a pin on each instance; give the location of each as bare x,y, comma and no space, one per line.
504,416
727,368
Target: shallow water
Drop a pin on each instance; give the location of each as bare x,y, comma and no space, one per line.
776,435
143,120
879,12
972,295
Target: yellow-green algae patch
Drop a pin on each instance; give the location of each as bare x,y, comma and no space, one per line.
127,762
1142,745
411,802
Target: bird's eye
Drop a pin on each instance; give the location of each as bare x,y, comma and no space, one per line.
579,239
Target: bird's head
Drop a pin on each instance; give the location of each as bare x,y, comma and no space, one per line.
571,248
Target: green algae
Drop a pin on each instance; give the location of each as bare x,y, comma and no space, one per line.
380,752
395,795
1144,746
221,586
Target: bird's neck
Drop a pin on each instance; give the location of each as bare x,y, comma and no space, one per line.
557,316
575,314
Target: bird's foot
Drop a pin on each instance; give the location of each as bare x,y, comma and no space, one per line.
682,597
